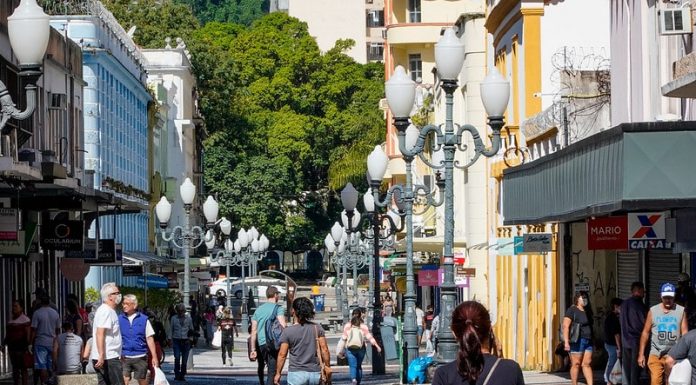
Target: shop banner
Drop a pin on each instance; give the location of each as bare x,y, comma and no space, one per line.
647,231
608,233
62,235
428,278
537,243
8,224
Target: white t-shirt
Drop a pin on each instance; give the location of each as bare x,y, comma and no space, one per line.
70,348
106,318
149,331
419,317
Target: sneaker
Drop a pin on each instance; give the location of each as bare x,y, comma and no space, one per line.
354,382
231,363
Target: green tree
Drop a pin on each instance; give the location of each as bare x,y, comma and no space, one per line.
242,12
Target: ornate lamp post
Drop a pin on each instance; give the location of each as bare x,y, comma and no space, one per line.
224,257
29,31
248,248
185,237
400,92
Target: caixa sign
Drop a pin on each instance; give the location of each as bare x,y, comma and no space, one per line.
632,231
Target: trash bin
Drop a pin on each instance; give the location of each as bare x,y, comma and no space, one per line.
417,369
318,302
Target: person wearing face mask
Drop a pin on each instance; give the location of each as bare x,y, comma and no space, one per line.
664,324
580,348
106,341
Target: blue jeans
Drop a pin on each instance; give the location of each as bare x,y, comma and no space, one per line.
304,378
181,353
355,358
611,351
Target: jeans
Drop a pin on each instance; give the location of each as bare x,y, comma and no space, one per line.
111,373
270,357
629,365
181,346
611,361
304,378
355,358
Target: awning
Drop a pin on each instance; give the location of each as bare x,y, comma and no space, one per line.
429,244
143,258
634,166
681,87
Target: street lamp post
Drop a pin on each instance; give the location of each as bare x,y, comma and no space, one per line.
29,31
249,248
187,236
224,257
400,92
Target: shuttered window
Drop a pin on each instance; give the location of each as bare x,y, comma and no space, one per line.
627,272
663,266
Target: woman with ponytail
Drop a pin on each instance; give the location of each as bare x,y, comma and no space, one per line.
478,361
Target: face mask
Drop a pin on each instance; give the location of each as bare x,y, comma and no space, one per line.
118,299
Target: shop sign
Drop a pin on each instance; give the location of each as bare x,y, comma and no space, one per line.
172,280
132,270
62,235
105,253
461,281
22,244
428,278
518,245
647,231
582,287
506,246
8,225
536,243
608,233
460,258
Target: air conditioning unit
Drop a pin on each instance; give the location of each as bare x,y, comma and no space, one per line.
675,21
384,34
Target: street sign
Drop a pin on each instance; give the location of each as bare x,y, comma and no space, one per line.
8,224
466,271
518,245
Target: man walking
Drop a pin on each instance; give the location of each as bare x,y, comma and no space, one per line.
664,324
106,342
45,326
138,338
632,320
263,315
182,332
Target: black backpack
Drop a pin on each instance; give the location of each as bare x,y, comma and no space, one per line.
273,330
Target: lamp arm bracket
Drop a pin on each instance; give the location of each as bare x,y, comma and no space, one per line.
431,164
420,142
388,197
8,109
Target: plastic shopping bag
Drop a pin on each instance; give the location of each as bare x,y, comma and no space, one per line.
681,373
616,375
341,347
217,339
160,378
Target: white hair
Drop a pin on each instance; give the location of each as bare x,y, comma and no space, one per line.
131,298
107,289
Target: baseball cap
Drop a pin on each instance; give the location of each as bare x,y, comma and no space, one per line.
667,290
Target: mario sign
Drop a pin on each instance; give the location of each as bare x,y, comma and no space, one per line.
647,231
608,233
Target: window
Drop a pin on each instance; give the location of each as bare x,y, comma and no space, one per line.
415,66
375,19
414,11
375,51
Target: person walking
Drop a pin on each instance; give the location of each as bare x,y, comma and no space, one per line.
478,360
388,306
182,332
45,327
420,324
301,340
138,340
106,341
210,325
262,315
580,350
664,325
228,328
355,333
631,320
612,337
17,333
69,348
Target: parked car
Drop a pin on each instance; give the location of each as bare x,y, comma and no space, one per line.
259,283
219,287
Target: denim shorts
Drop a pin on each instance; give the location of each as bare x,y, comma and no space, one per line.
303,378
43,358
420,331
583,345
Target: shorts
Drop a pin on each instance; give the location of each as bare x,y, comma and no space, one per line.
583,345
43,358
137,366
420,331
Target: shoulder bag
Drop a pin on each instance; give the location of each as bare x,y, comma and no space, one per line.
490,372
325,370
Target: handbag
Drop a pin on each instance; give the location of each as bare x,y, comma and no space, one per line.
681,373
341,347
325,370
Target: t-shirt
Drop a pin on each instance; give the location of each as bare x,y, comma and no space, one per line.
419,317
261,315
429,320
579,316
227,327
45,321
302,346
507,372
106,318
70,347
611,329
149,331
686,348
666,328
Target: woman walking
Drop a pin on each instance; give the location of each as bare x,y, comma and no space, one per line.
228,327
580,348
354,334
478,361
301,341
17,342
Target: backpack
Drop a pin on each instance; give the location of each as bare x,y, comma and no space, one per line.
273,330
355,338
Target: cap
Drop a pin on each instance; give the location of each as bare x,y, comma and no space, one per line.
667,290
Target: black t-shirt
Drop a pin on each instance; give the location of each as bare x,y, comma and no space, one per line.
579,316
508,372
612,327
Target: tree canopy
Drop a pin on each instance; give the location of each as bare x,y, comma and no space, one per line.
242,12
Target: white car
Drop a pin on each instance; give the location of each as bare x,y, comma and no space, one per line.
260,284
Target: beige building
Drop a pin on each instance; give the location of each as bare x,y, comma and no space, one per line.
332,20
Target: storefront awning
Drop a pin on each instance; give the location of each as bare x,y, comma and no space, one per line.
429,244
141,258
634,166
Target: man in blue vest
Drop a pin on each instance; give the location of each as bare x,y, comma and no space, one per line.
138,338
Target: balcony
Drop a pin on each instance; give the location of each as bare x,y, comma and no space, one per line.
683,84
414,33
